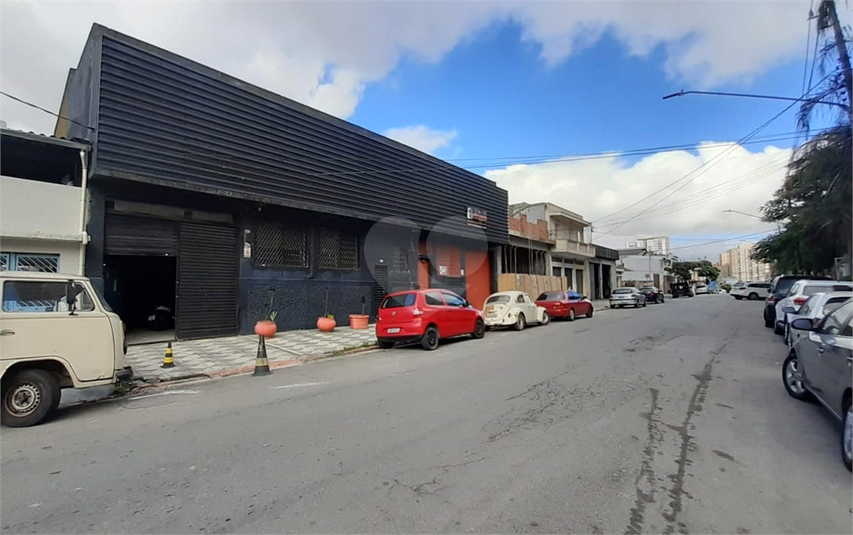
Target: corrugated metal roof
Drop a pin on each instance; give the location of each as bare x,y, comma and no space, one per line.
41,138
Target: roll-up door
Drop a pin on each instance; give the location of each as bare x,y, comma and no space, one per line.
140,236
207,281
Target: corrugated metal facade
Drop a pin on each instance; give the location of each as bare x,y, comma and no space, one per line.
164,119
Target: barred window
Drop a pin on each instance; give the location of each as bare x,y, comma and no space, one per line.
338,250
278,246
45,263
400,261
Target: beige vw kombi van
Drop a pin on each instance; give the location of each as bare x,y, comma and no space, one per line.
55,332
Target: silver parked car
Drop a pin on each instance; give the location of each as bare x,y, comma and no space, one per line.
820,365
621,297
814,309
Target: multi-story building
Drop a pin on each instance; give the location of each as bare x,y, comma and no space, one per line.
42,201
657,244
566,250
738,262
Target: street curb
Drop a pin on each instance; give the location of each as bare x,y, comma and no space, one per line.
243,370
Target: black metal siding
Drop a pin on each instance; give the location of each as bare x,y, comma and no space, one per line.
167,120
128,235
207,281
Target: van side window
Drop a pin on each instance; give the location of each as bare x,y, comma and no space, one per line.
38,296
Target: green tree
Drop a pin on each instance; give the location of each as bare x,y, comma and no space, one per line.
814,205
683,271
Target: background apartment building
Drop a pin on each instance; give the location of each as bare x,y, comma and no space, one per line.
738,262
657,245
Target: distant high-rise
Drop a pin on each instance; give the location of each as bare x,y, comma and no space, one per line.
657,244
738,263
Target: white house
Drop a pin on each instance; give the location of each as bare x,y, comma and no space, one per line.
42,203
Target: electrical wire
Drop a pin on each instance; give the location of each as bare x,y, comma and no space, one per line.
22,101
766,171
705,165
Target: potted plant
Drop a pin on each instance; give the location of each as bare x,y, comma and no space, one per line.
326,323
359,321
267,327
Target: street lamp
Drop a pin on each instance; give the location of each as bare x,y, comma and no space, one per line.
766,97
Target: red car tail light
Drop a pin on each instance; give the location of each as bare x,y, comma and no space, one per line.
800,300
771,299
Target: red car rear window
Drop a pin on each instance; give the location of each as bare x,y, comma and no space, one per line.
398,301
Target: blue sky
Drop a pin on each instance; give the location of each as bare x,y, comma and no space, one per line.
479,83
502,101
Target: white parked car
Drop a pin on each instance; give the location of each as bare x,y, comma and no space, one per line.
814,309
627,296
800,292
701,289
752,291
516,309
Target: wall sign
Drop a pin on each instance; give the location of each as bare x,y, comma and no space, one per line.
477,217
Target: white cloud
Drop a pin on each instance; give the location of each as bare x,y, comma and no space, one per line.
421,137
324,54
724,177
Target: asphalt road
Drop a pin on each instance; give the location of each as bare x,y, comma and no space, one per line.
671,418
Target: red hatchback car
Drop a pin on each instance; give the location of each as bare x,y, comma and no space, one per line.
426,316
565,304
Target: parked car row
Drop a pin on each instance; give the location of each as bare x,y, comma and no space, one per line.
817,320
429,316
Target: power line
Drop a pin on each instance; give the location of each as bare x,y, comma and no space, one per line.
766,170
709,164
22,101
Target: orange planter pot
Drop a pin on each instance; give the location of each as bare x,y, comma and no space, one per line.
266,328
358,321
326,325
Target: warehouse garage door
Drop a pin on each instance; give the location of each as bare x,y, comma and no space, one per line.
207,281
140,274
477,277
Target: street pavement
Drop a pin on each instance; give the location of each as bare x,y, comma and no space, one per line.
665,419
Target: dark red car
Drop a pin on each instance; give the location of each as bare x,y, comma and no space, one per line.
426,316
565,304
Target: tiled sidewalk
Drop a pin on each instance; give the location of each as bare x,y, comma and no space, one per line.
220,356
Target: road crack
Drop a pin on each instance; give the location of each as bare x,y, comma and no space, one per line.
687,444
647,472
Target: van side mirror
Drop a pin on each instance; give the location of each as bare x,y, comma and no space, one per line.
72,290
789,310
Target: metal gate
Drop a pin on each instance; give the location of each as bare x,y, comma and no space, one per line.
140,236
380,287
207,281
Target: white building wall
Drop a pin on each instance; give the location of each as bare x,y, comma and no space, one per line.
41,218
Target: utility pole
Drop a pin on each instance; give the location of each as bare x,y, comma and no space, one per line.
828,6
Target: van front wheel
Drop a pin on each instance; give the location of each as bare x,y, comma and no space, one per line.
28,397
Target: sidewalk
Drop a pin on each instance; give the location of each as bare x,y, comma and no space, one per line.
216,357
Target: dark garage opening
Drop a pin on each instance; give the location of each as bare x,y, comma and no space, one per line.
141,289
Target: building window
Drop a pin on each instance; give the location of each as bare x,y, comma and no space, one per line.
400,261
44,263
281,246
338,250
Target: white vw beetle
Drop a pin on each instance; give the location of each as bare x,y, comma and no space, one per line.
503,309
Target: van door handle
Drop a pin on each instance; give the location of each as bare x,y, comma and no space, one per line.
6,332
